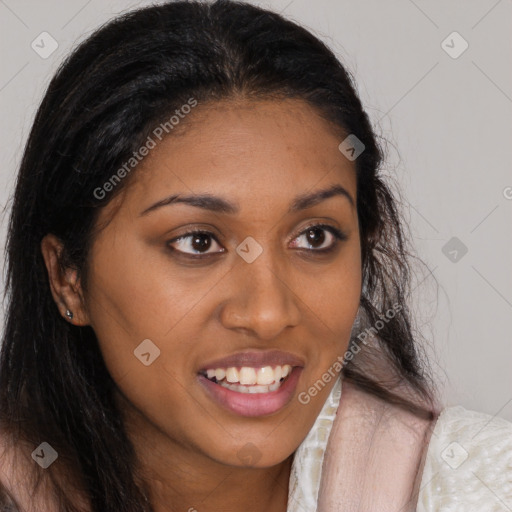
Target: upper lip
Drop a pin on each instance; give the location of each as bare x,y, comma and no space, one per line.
256,359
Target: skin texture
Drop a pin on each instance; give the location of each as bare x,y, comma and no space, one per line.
260,156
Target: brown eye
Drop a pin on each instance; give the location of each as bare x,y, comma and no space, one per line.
201,242
315,237
195,243
317,240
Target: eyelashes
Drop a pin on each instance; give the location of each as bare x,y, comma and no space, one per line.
203,241
336,235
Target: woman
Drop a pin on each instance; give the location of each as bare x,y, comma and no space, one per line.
208,287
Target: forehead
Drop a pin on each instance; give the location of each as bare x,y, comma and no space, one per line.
250,151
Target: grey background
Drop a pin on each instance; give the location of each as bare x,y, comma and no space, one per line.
448,125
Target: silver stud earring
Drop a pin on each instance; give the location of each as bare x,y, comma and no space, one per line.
69,314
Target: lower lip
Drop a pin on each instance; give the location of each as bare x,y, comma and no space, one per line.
257,404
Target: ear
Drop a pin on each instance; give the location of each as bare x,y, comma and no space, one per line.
64,282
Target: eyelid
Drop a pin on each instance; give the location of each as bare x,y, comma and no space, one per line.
191,232
319,225
338,234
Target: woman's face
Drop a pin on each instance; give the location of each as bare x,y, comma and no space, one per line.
258,286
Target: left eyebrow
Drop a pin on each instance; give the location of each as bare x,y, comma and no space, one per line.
220,205
309,200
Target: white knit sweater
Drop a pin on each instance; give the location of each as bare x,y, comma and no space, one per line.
468,466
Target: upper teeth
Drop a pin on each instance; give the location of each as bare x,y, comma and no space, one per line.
248,376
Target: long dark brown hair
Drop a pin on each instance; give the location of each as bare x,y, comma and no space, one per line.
101,105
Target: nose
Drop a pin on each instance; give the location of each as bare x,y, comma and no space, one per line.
262,300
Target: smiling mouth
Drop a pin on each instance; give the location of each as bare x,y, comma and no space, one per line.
249,380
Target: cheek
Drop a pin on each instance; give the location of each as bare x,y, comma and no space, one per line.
128,304
333,296
135,293
340,301
334,301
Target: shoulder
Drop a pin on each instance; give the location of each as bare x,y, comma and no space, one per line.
468,464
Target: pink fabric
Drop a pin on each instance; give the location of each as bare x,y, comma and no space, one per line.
374,456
